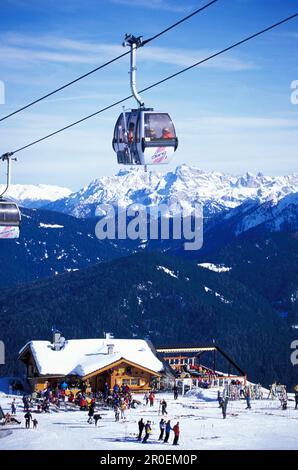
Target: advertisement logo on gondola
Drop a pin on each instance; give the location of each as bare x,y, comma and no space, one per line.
160,155
9,232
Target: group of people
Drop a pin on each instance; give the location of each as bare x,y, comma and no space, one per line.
278,391
150,132
149,397
120,399
249,392
223,397
237,390
165,133
92,415
11,418
28,418
165,428
42,404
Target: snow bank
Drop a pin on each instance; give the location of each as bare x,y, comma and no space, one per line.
167,271
203,394
217,294
29,195
42,225
218,268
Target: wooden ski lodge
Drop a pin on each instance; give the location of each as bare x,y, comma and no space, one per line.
132,362
129,362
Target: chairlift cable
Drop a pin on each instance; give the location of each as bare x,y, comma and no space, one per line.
212,56
96,69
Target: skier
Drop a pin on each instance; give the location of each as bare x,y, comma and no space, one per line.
296,399
13,407
122,410
224,406
105,391
151,398
141,425
146,398
247,398
91,412
219,398
26,403
284,402
28,417
148,431
224,403
10,419
164,407
162,426
117,413
176,430
272,391
64,386
96,417
175,390
168,430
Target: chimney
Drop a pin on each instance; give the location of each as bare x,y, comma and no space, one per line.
58,341
109,336
110,348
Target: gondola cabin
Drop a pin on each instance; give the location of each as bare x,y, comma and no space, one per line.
144,137
10,219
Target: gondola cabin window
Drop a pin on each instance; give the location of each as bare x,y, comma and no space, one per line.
158,126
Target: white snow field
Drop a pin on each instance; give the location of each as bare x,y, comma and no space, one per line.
265,426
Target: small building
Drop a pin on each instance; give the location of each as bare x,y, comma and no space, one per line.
186,362
131,362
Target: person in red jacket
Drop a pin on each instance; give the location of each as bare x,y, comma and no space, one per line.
151,398
176,430
130,136
166,133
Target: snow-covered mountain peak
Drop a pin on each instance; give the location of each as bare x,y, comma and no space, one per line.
186,185
277,214
34,196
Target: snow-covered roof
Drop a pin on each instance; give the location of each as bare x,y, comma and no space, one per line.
84,356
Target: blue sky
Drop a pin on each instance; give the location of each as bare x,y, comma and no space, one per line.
234,114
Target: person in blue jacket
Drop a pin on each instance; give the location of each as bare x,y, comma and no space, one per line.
168,430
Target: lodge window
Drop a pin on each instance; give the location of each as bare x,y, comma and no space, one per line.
131,382
135,382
